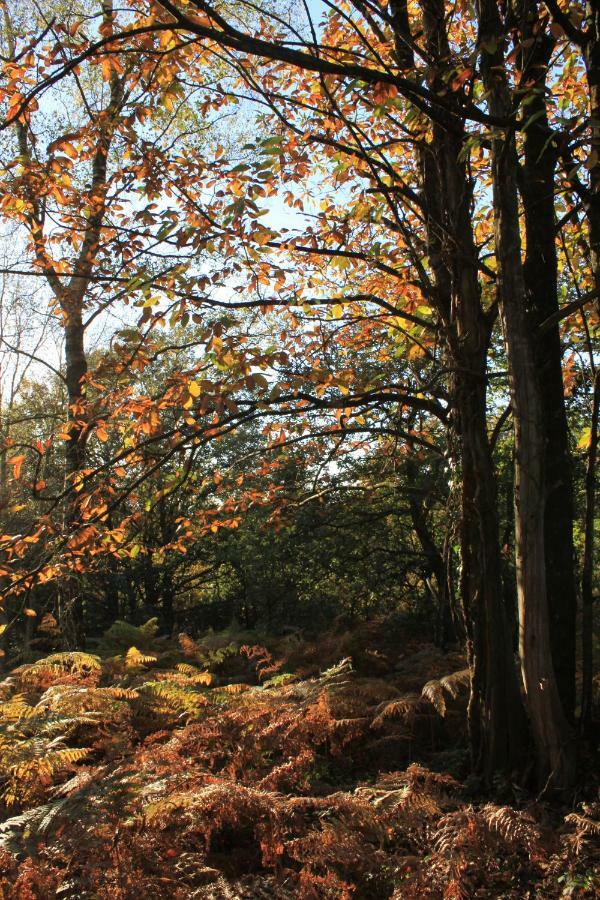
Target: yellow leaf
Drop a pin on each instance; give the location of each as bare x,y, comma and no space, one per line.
584,439
194,389
29,612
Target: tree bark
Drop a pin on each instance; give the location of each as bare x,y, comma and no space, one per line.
555,758
70,607
592,208
496,721
587,570
540,271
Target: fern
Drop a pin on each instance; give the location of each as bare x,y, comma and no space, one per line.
135,659
194,675
404,708
167,698
277,681
511,825
121,635
584,824
30,764
206,656
235,688
16,708
435,691
57,666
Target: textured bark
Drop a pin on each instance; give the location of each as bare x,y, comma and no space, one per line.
587,572
70,607
496,720
592,200
592,207
541,284
76,369
555,760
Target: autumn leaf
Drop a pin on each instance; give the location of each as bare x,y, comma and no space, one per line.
17,462
459,79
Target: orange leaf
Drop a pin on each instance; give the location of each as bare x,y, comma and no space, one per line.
68,149
16,462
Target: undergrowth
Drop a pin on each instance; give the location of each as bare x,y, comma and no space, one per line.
224,768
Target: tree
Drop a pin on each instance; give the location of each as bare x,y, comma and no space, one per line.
403,123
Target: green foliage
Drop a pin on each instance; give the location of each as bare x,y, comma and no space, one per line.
120,636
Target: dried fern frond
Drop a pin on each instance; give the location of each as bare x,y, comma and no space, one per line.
160,813
404,708
34,823
235,688
57,665
584,824
189,646
457,682
118,693
436,689
31,764
511,824
134,658
194,674
73,700
454,831
434,693
166,697
16,708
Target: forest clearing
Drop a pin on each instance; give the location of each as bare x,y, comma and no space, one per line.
299,427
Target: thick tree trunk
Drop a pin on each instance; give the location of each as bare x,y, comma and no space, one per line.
555,759
496,719
592,208
541,283
587,573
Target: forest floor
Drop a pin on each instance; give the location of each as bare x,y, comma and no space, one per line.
218,768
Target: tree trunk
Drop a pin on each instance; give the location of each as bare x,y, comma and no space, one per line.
592,208
541,283
555,759
70,607
496,720
592,201
587,573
